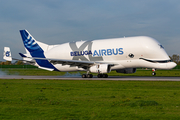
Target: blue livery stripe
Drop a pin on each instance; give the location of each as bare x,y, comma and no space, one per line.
35,50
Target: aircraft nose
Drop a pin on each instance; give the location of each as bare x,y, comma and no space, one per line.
171,65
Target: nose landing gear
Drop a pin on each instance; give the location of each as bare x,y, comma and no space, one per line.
153,73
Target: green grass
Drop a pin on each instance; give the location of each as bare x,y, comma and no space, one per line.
17,66
89,100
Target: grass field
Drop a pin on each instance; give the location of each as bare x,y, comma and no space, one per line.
89,100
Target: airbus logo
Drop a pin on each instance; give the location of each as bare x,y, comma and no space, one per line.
8,54
103,52
29,42
96,55
80,53
107,52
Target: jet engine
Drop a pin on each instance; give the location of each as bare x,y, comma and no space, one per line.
100,68
127,70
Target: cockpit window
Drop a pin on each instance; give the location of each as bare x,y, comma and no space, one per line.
156,61
131,55
161,46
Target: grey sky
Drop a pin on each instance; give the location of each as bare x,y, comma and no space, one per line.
59,21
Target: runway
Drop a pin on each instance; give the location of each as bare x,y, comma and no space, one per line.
116,78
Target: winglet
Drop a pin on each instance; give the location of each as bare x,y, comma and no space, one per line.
7,54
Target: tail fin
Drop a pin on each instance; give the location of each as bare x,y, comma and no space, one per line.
31,44
7,54
36,50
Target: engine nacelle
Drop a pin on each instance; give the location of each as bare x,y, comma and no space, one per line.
127,70
100,68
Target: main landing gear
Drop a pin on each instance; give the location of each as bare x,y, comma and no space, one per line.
153,73
87,75
102,75
90,75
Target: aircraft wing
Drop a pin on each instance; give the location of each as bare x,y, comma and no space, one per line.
80,64
32,60
72,62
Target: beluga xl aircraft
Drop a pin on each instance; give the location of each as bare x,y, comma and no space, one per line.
97,56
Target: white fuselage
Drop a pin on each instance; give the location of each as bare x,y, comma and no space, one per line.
130,52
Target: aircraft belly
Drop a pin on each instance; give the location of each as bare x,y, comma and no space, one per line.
66,68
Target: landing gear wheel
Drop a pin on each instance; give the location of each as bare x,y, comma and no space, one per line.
105,76
84,76
99,75
153,74
89,75
102,75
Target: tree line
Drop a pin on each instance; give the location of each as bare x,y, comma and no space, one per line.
175,58
9,63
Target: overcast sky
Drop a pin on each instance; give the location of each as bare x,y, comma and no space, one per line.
60,21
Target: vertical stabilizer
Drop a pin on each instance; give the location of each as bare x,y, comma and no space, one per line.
31,44
36,50
7,54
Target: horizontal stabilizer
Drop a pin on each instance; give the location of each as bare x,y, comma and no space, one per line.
22,55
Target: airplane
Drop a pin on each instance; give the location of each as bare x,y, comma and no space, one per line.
124,55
